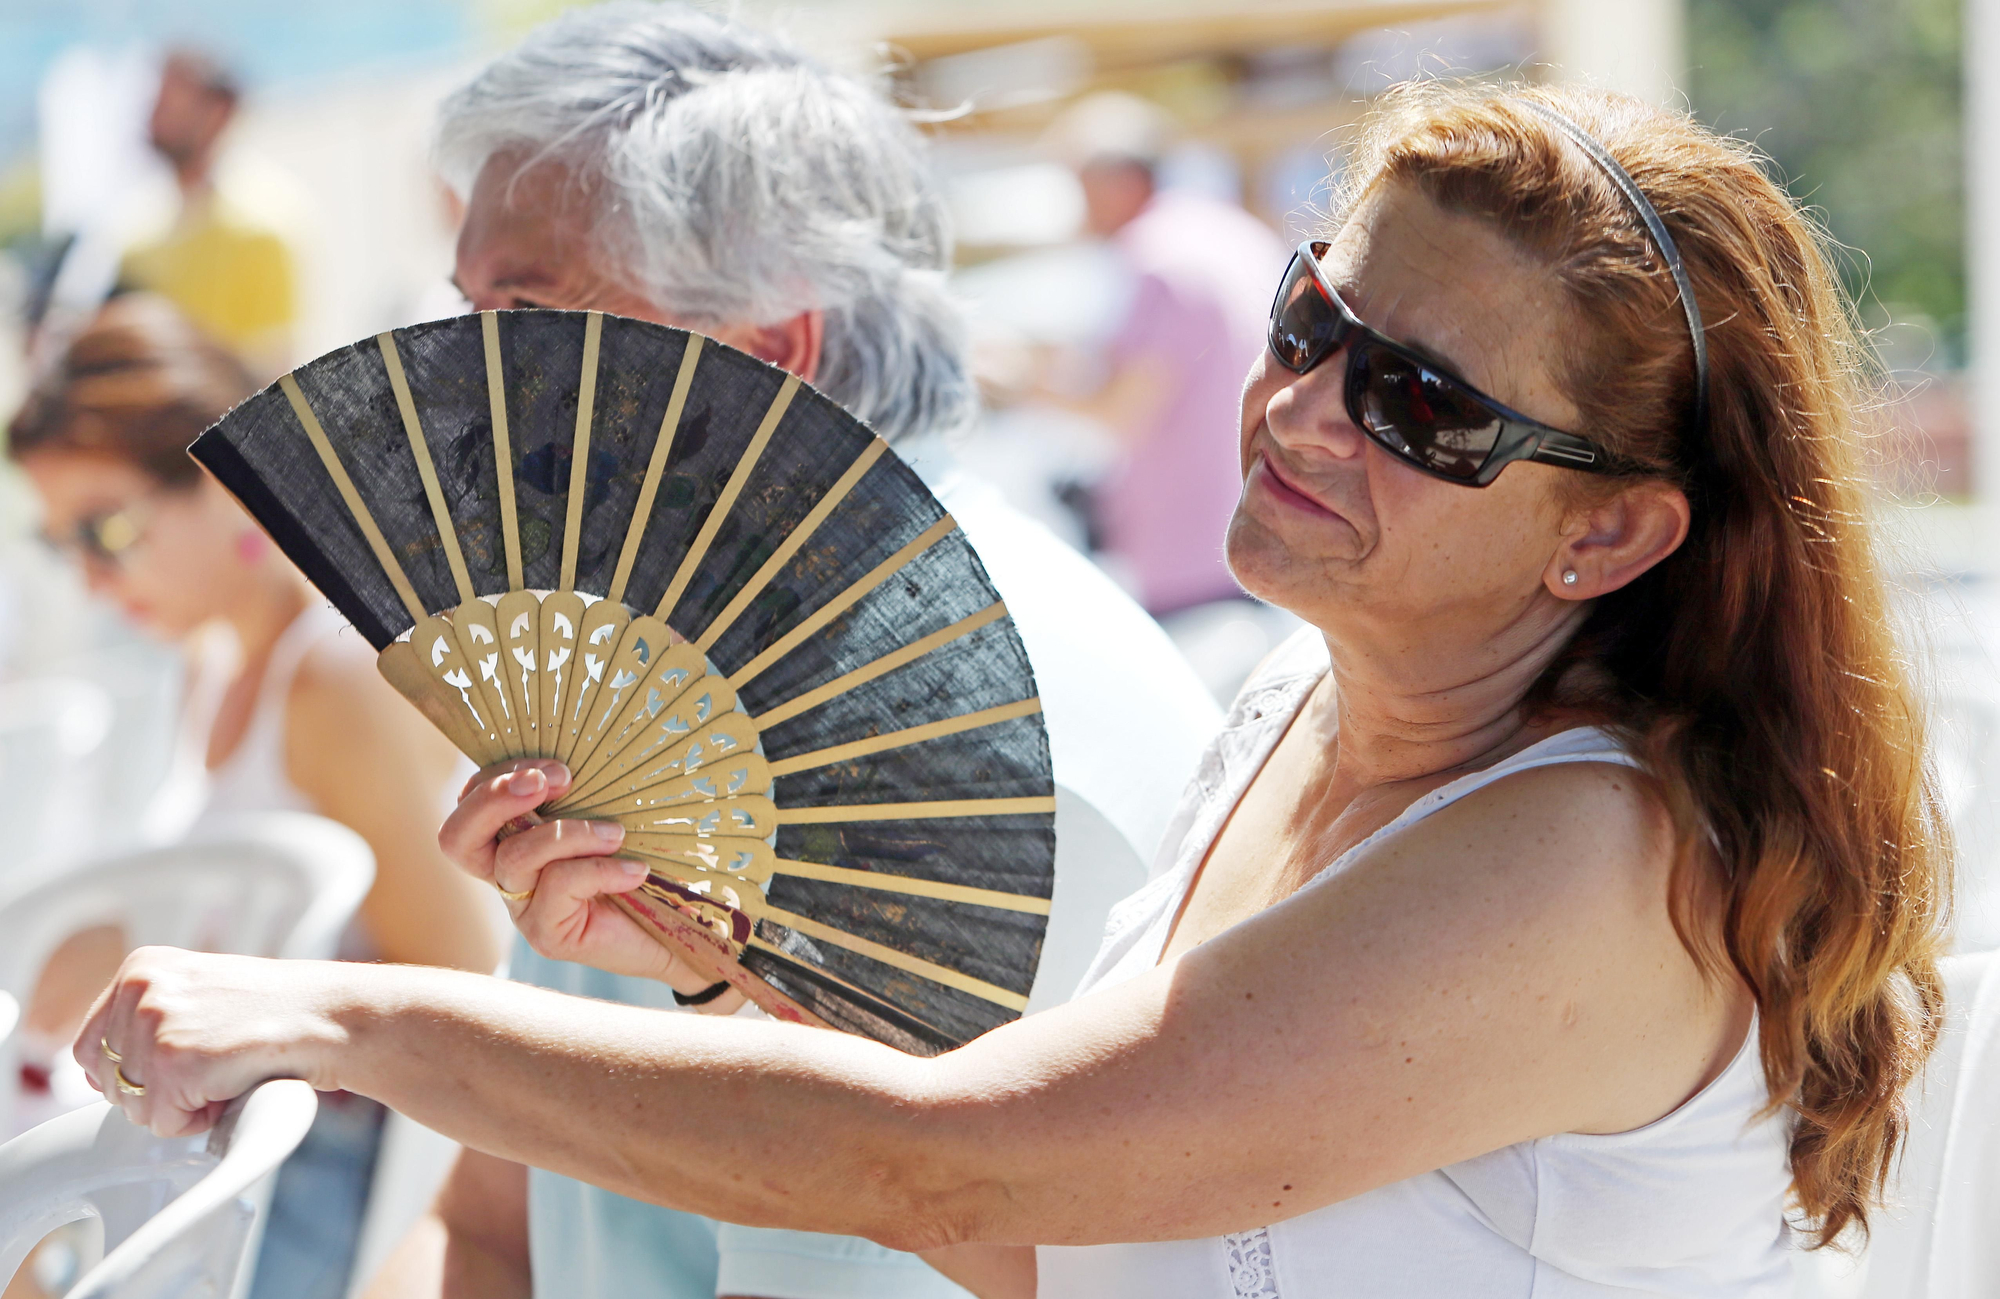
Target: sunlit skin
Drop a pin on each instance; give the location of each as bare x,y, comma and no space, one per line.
1502,970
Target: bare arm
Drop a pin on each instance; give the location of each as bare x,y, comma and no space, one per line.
1503,970
370,761
474,1242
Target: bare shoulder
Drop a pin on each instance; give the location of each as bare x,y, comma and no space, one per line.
337,664
1580,831
340,702
1541,900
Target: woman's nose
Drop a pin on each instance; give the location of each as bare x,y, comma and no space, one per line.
1310,411
100,578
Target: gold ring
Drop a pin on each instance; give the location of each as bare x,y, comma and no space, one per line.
125,1084
522,896
105,1046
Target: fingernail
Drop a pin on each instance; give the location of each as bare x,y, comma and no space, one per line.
635,869
609,831
528,780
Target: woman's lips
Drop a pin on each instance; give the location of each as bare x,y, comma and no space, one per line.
1274,482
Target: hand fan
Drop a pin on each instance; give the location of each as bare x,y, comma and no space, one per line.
752,634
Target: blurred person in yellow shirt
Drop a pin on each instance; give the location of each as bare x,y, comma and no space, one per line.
226,266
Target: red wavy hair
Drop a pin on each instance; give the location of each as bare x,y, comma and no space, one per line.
1755,669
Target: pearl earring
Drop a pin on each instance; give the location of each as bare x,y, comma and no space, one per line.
1569,577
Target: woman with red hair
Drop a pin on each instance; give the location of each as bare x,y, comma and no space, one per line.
1557,915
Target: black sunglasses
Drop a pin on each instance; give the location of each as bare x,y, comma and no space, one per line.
104,538
1405,402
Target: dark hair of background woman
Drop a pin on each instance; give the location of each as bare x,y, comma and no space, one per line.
138,383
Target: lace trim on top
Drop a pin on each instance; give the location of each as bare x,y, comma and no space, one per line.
1253,1274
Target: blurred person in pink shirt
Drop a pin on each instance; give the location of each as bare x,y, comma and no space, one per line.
1200,272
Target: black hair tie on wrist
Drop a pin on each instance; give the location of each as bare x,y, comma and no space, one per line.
702,998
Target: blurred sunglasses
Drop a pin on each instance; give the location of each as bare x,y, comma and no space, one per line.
1404,402
103,538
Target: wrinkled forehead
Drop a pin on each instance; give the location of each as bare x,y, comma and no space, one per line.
1454,286
518,191
527,219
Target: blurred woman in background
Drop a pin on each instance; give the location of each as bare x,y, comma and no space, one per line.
285,713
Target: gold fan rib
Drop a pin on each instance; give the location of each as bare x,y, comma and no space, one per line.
881,883
727,501
579,457
840,604
790,546
867,672
503,450
433,490
911,735
355,505
670,424
931,970
951,807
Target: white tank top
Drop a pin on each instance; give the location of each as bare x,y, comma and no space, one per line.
253,777
1690,1205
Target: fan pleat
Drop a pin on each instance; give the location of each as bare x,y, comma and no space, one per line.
855,1009
724,410
998,853
939,1016
349,393
923,600
445,368
640,399
981,943
1005,759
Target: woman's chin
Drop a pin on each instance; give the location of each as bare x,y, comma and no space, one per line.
153,623
1261,563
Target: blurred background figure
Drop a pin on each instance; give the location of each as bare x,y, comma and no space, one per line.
225,264
1199,270
285,711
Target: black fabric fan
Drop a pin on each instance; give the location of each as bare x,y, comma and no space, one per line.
748,628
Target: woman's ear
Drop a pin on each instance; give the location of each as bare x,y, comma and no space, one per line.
1611,543
793,343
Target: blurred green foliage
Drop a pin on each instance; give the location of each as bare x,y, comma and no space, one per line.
1858,103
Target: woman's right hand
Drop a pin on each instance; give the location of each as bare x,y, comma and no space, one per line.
568,869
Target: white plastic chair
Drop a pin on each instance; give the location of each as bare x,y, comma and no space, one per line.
10,1020
50,731
148,789
174,1216
1938,1240
271,884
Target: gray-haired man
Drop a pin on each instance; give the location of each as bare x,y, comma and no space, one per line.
657,162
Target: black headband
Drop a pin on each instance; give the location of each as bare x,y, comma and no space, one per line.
1661,239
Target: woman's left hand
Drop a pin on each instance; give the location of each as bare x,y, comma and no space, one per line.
178,1035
